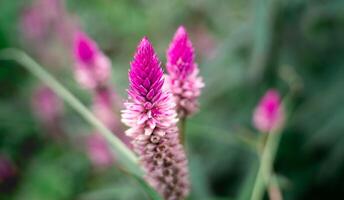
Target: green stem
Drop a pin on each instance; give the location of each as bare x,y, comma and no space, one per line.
266,163
126,156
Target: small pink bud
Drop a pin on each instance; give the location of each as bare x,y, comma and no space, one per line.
269,114
98,150
92,67
183,78
46,104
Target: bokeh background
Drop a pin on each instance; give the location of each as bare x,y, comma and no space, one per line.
243,48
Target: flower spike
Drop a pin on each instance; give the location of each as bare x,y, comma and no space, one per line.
150,114
183,76
92,67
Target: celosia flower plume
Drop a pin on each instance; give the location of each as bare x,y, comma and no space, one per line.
183,72
150,114
269,113
92,67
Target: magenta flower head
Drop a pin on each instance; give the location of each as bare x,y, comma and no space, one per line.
150,114
99,151
92,67
269,114
183,78
47,106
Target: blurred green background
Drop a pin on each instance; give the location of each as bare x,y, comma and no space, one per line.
243,48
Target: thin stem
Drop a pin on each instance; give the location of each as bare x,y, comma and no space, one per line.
126,156
265,168
273,189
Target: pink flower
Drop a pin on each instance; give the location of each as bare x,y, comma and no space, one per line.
150,114
92,67
99,151
269,114
47,105
183,78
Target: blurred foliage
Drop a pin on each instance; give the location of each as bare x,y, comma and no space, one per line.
295,45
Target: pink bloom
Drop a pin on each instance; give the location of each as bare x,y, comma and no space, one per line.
269,114
183,78
92,67
47,105
150,114
99,151
92,71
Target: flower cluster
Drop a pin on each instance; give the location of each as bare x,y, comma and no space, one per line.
150,114
92,67
92,71
183,72
269,114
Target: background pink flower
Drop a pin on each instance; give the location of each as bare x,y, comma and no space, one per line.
269,114
92,67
